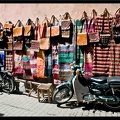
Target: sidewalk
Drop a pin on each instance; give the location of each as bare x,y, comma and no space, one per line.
23,105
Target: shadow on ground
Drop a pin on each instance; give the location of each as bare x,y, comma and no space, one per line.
85,106
1,115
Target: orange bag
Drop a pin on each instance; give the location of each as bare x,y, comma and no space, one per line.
82,39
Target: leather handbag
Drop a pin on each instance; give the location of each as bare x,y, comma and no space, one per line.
28,28
18,29
8,28
82,39
17,45
10,45
54,28
44,43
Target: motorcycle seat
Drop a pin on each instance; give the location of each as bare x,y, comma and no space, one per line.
101,79
114,79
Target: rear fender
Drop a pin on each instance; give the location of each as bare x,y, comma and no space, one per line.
63,85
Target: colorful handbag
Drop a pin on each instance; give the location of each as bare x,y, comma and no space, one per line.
66,25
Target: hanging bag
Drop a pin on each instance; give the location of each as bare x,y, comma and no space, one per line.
54,28
44,42
93,36
28,28
18,29
66,26
105,34
8,28
116,26
82,36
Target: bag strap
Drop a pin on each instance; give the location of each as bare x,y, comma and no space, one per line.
19,24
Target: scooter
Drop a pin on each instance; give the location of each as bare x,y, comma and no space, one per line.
101,89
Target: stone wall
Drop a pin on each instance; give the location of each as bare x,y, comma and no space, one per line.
13,12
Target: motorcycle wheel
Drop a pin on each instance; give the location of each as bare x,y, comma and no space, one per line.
8,84
115,106
62,96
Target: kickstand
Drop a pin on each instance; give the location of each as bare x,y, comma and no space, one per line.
94,107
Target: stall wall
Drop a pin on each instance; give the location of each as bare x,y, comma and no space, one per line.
13,12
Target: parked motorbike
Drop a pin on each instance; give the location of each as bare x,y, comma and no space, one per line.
7,83
100,89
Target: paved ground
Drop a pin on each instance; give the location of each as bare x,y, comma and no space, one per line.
23,105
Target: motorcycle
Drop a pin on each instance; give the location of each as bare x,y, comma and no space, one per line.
7,83
99,89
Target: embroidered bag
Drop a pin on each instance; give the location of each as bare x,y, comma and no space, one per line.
93,35
66,26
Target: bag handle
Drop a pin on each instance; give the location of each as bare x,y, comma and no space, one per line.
46,20
84,16
53,19
117,11
37,21
66,16
106,13
29,22
19,24
93,14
